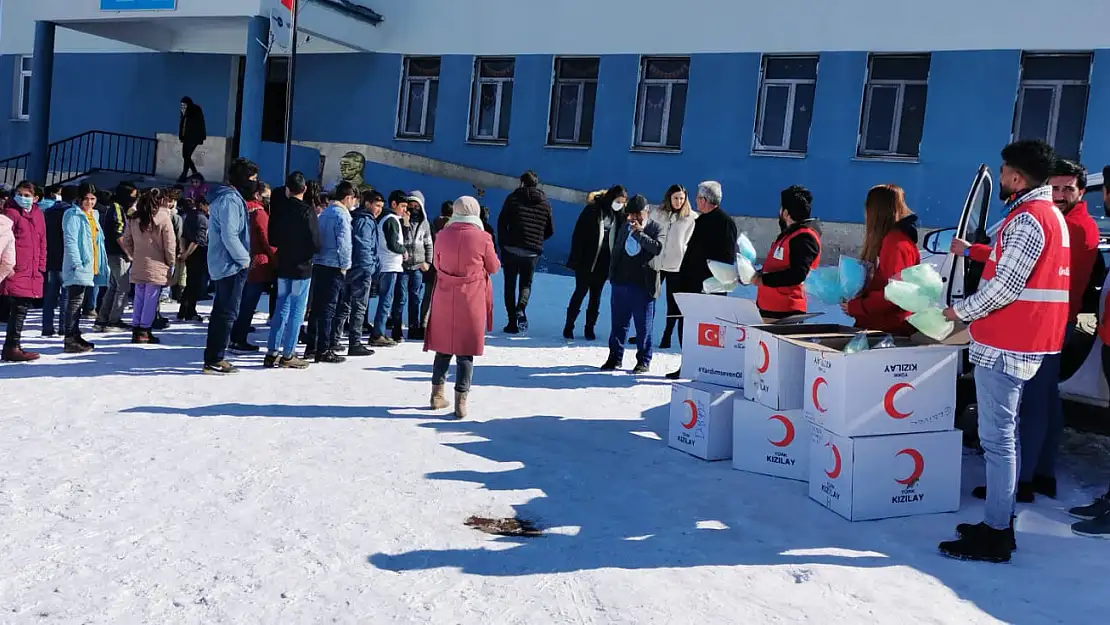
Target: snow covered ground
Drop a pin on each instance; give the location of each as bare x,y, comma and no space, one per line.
135,490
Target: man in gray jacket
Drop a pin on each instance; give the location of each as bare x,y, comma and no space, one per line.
418,245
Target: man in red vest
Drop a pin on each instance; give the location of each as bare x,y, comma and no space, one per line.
793,254
1016,318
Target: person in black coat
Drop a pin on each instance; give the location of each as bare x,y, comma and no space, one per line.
714,238
192,132
589,256
294,230
522,227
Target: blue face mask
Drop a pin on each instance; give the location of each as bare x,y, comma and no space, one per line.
25,202
47,204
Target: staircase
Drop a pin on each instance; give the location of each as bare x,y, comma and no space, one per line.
90,152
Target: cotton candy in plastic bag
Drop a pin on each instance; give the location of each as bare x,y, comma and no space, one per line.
908,296
931,323
713,285
925,276
823,284
744,270
723,272
884,342
745,248
852,276
858,343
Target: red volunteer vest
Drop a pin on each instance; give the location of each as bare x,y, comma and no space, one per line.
1035,322
785,298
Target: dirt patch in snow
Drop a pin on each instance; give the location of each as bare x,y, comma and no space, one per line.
505,527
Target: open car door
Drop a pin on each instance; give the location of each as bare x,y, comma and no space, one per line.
963,277
1088,384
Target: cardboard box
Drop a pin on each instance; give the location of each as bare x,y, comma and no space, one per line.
775,369
878,477
701,419
892,390
713,337
770,442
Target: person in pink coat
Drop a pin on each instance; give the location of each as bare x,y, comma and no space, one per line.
24,285
7,248
462,303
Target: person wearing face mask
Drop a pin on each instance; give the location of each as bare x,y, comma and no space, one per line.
590,254
793,254
676,217
635,283
1016,318
229,259
328,272
114,222
24,285
262,272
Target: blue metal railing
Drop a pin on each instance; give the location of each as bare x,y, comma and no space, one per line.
89,152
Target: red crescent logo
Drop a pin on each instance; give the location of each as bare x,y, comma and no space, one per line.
835,473
743,335
789,438
816,385
766,358
888,401
918,466
693,414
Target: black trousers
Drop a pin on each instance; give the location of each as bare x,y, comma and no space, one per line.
196,282
591,284
75,299
187,164
522,269
18,307
327,285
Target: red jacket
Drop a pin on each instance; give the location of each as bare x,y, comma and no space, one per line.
263,255
871,310
1083,237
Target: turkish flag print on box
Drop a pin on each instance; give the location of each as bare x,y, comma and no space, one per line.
701,420
714,335
893,390
878,477
770,442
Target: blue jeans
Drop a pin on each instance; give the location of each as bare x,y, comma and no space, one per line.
352,306
252,293
327,284
225,309
631,303
1041,421
999,396
285,327
53,295
387,295
408,285
92,298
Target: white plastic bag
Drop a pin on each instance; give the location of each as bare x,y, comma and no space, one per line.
745,248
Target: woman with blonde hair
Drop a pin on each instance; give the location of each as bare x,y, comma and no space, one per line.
676,220
889,246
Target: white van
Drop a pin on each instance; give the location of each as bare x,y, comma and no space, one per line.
1086,388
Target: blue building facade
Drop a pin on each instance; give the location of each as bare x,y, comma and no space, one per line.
963,107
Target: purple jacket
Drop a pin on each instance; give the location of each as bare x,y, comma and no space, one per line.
29,229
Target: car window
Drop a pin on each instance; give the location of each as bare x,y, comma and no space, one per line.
1095,204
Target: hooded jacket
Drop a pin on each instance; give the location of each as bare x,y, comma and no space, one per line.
295,231
29,231
191,129
228,235
870,309
7,248
78,249
419,246
525,221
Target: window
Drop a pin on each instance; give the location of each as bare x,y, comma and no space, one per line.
894,106
492,100
1052,100
661,105
785,108
416,108
572,102
22,104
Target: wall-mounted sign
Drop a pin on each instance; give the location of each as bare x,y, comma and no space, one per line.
138,5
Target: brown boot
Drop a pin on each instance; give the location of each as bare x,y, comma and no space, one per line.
16,354
460,405
438,401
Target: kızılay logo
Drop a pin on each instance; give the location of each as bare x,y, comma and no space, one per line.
817,384
743,334
709,335
835,473
766,358
788,437
888,400
918,466
693,414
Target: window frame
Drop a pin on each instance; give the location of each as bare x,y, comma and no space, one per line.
1057,87
405,92
899,101
557,84
476,84
23,79
643,83
760,112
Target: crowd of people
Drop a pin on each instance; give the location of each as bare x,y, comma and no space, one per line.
327,256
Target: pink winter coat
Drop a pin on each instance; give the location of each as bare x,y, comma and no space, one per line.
462,303
29,229
7,248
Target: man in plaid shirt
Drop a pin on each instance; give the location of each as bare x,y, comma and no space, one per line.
1017,316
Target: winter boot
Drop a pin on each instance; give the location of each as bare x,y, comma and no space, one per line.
968,529
568,329
984,544
74,346
438,401
16,354
591,321
138,336
150,338
1024,492
460,405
